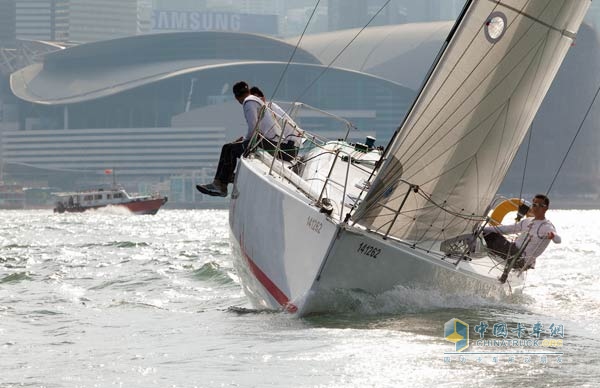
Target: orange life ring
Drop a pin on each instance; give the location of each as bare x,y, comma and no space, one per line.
503,208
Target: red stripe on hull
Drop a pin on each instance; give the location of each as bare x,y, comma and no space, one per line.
145,207
271,287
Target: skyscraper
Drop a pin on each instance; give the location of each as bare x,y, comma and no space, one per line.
357,13
7,23
92,20
346,14
42,19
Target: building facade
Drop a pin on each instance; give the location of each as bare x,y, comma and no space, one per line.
344,14
42,20
93,20
8,33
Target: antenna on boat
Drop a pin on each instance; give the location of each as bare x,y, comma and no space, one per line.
111,171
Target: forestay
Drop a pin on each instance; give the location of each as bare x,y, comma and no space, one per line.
463,131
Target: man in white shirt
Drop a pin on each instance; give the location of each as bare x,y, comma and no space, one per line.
291,133
534,231
257,118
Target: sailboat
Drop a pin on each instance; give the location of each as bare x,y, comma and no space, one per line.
345,216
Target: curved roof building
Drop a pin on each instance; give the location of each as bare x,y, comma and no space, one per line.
400,53
157,106
105,68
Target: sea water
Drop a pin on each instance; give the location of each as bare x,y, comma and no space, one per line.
108,299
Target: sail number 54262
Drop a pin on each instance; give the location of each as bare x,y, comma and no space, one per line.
368,250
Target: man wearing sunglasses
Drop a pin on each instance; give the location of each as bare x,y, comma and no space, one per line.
537,230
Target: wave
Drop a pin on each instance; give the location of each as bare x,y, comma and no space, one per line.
118,244
213,272
137,304
17,246
130,283
15,278
402,300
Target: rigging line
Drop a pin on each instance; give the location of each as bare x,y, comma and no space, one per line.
342,51
452,115
414,157
526,159
434,204
573,141
502,127
468,217
449,76
535,19
531,125
294,51
392,141
444,221
433,66
497,112
530,130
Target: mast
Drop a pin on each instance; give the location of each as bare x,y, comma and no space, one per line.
463,130
427,76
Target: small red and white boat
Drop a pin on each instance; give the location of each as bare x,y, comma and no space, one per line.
94,199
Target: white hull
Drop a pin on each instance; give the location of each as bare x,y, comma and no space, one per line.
291,256
278,253
396,264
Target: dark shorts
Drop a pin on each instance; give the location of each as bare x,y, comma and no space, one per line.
500,246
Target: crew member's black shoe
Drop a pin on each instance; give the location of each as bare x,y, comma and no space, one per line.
212,190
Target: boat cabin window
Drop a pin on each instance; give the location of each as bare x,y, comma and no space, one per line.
98,196
118,195
108,196
88,197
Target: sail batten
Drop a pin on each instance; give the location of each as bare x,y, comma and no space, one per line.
463,131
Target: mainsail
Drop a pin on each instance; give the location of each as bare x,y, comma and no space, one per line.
456,144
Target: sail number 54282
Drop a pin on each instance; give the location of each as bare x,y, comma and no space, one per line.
368,250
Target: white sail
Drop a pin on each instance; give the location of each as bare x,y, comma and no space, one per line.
452,152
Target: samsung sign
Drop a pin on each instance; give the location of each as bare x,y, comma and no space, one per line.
213,21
